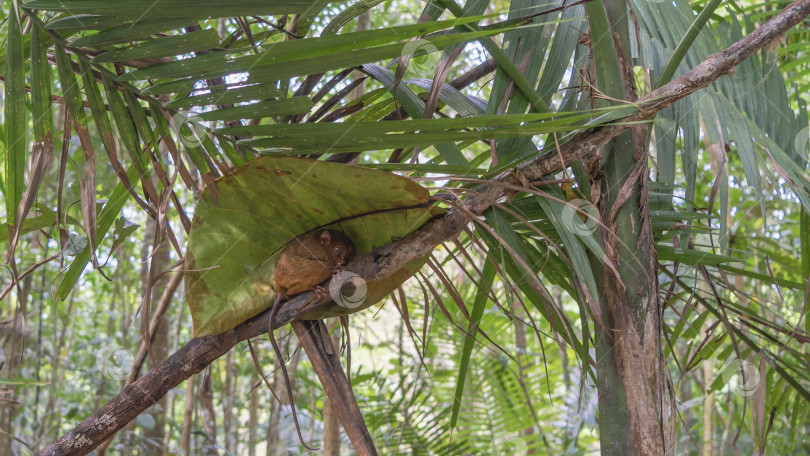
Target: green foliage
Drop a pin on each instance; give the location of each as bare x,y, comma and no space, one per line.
501,321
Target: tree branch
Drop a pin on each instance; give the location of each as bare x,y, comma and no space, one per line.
200,352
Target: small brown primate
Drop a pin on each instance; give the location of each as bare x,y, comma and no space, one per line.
305,262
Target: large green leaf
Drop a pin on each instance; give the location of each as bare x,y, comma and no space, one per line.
237,233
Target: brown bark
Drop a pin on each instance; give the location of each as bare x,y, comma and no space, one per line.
326,365
199,352
280,387
331,429
188,415
228,400
156,435
275,414
12,335
363,23
331,424
57,375
253,423
636,410
209,417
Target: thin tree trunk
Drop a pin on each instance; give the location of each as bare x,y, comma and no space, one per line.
707,445
521,346
39,431
209,416
275,409
12,335
335,384
708,407
253,423
280,387
57,373
331,425
228,393
156,436
363,23
188,415
331,430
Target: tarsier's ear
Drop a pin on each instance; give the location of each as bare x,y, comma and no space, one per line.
325,238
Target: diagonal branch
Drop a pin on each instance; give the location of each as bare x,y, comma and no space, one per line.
199,352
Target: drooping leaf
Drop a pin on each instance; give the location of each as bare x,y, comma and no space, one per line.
106,217
39,218
15,128
42,150
481,299
234,242
123,229
87,182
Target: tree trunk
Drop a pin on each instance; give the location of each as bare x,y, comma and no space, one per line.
636,414
209,417
156,435
331,425
280,387
188,416
363,23
253,423
228,393
12,335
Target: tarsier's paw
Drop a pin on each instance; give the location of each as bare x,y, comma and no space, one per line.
320,291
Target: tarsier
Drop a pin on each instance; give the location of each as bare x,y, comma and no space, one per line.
305,262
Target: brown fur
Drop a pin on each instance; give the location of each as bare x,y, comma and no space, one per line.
305,262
